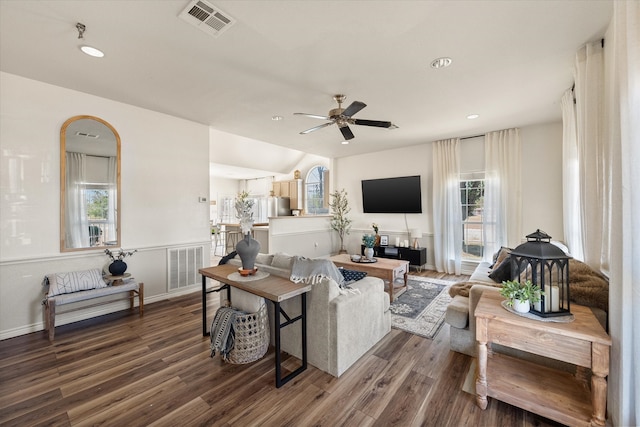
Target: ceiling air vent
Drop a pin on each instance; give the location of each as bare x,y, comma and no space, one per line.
206,17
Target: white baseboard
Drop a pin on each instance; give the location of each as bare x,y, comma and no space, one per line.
76,316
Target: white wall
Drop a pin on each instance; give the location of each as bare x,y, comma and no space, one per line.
165,170
542,179
541,184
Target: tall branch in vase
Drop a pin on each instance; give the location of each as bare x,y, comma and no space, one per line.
244,211
340,208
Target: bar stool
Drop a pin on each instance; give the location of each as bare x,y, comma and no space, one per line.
231,239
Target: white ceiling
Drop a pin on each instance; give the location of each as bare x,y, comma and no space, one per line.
512,60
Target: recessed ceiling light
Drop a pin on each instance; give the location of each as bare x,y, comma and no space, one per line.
473,116
345,142
276,118
92,51
441,62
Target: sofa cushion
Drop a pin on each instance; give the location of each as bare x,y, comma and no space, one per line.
264,259
457,314
282,260
351,276
74,281
481,273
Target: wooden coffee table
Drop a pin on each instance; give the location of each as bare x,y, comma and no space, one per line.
384,268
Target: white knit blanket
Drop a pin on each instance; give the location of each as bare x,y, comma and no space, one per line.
312,271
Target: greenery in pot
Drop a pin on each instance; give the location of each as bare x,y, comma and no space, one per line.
339,222
514,290
120,255
369,240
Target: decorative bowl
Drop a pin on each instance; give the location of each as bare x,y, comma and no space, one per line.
247,272
356,258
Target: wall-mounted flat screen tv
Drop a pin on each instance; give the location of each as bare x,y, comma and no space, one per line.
392,195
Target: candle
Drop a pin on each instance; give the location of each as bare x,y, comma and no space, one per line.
551,299
397,241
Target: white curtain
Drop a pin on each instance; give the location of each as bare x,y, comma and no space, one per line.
570,179
591,150
76,222
110,232
502,193
447,210
622,139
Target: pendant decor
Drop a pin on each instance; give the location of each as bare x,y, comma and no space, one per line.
247,250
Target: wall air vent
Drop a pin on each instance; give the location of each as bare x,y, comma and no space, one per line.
207,17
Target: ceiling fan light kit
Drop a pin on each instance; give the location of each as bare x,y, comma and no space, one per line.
342,117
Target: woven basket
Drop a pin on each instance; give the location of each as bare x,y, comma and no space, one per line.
251,337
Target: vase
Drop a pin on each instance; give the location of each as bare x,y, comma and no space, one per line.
368,253
377,242
521,306
117,267
248,249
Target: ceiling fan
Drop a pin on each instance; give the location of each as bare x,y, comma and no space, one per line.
343,118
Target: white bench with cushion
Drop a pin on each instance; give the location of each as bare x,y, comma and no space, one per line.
78,286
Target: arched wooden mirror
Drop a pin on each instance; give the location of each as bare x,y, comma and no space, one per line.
89,184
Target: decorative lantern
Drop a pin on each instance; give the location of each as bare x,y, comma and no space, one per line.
547,266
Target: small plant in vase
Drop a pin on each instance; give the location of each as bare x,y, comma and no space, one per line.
520,296
368,240
118,266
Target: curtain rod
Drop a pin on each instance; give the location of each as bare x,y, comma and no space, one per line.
472,136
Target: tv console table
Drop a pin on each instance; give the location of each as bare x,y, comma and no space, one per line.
416,256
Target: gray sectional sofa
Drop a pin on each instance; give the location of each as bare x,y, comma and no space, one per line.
342,325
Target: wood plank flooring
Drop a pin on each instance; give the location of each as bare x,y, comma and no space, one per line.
123,370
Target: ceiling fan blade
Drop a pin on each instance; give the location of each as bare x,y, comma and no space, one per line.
376,123
353,108
313,116
313,129
346,132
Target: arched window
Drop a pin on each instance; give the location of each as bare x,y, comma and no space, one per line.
317,190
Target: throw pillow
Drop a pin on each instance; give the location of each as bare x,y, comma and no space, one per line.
264,259
502,272
282,260
351,276
502,254
74,281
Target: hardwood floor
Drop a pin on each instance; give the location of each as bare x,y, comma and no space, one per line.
124,370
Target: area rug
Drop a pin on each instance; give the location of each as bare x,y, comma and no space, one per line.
420,310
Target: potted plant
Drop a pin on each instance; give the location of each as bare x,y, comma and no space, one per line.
369,241
339,222
118,266
520,296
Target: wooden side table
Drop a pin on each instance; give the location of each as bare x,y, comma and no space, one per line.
554,394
